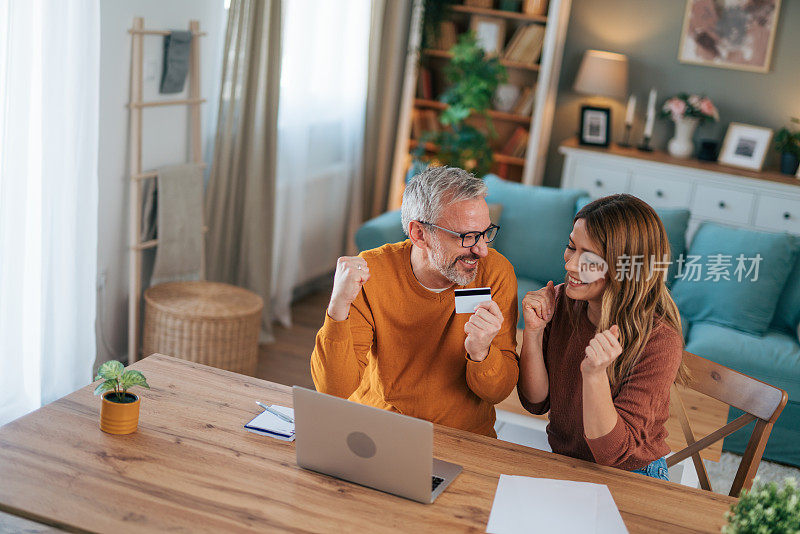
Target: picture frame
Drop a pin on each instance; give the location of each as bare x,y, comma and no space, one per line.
490,33
595,126
745,146
728,36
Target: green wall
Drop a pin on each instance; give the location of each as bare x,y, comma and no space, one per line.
648,32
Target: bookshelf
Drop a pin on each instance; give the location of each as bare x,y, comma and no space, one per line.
535,73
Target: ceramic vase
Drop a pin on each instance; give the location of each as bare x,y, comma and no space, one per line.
682,144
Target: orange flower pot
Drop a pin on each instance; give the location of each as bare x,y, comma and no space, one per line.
119,418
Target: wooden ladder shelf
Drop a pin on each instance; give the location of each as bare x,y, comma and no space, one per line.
137,175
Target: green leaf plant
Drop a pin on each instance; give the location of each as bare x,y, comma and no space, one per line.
788,140
117,379
474,77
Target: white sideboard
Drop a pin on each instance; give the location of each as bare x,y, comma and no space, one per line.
765,201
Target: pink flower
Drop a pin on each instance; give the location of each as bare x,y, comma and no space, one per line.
707,108
676,107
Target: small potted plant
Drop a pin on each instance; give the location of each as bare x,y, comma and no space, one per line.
119,413
687,112
787,143
766,508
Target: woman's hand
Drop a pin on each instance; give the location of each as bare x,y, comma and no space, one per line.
538,308
603,349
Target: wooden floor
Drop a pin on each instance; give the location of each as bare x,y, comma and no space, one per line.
287,360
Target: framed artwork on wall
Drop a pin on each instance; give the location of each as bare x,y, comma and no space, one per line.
730,34
745,146
595,126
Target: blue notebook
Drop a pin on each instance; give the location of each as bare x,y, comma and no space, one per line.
271,425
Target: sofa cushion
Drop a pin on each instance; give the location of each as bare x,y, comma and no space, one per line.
523,286
535,226
675,222
773,358
742,301
787,312
385,228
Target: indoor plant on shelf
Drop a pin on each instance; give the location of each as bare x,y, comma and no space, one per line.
119,413
474,77
787,143
687,112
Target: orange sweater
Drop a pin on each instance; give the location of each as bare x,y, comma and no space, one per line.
402,347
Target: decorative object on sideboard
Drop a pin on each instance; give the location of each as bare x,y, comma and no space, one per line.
708,150
490,33
601,74
595,126
119,413
745,146
650,121
729,35
787,143
630,112
687,112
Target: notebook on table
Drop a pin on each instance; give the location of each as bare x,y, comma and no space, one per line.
271,425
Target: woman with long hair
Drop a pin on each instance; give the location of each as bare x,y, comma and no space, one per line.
601,351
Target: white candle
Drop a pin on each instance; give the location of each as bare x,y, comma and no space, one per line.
631,109
651,114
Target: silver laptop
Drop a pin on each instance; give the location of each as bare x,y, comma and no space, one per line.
372,447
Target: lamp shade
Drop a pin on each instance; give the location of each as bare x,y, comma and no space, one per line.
603,74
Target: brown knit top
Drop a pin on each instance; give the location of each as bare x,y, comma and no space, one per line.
641,400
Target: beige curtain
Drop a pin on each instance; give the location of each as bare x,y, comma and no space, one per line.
241,191
387,57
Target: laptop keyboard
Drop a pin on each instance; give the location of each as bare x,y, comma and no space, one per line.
435,481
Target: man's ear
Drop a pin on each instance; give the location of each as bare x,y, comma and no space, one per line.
417,234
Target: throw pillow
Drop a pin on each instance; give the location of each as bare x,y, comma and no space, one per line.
733,277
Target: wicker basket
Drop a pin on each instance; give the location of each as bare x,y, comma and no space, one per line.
205,322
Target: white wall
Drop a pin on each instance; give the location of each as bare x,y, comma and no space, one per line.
165,133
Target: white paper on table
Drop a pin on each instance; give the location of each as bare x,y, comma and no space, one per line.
526,504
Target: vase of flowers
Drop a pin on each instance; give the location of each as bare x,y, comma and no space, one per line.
687,112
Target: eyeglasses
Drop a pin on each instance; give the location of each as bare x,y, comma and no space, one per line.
470,239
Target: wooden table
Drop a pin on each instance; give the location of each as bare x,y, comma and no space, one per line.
192,467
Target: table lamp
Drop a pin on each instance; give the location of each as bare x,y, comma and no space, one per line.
600,74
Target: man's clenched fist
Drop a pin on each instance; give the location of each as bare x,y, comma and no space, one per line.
351,273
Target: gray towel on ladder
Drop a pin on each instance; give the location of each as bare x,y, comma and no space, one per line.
177,48
180,224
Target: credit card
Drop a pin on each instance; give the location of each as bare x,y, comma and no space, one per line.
467,299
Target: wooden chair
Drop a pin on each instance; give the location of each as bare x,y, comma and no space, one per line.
761,403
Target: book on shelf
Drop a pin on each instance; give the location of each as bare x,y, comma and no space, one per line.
423,121
526,44
425,83
524,104
517,143
515,147
447,35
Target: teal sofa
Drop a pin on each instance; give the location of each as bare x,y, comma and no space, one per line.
535,225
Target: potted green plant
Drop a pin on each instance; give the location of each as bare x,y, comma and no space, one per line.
787,143
766,508
119,413
474,77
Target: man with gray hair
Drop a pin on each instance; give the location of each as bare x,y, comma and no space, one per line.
392,338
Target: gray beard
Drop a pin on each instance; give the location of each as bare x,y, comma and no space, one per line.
450,271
